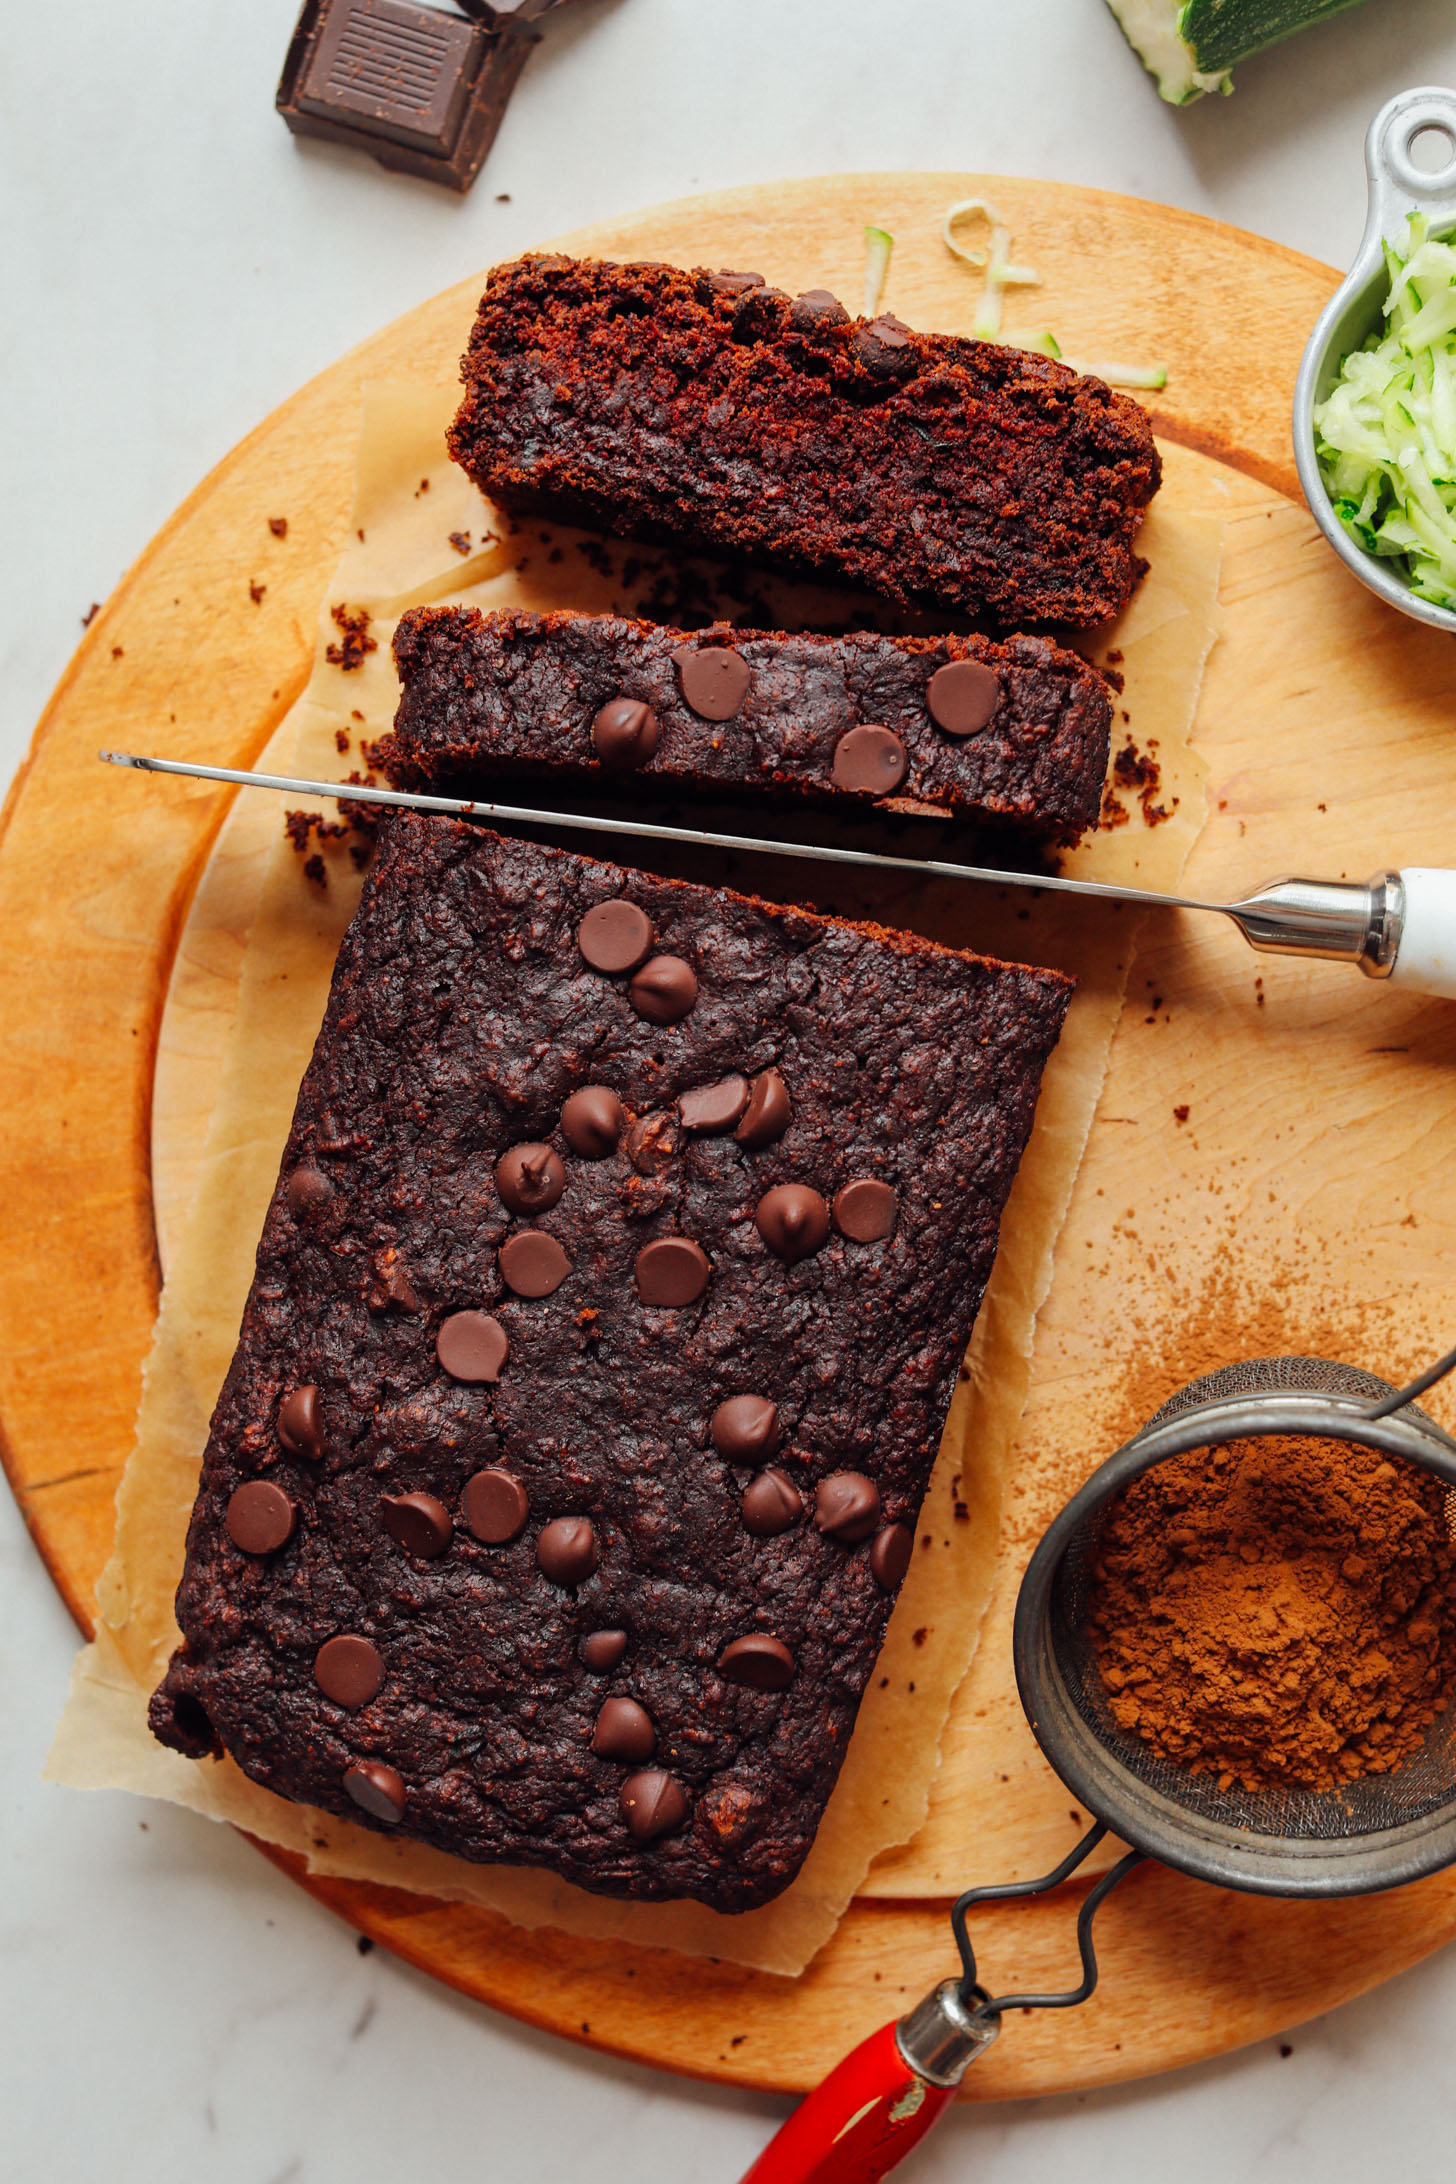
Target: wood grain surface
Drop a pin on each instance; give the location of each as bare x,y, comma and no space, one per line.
1297,1205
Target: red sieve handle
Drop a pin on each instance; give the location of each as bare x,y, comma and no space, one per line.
859,2124
875,2106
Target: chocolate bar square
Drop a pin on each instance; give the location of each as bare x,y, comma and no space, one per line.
420,90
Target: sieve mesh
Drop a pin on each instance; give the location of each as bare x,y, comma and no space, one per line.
1422,1785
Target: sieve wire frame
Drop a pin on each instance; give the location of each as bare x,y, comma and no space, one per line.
1379,1833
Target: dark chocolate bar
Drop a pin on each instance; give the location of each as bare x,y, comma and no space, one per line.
421,90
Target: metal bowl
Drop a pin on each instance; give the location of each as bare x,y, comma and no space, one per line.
1398,187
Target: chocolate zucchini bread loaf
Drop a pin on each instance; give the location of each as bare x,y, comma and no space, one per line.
1016,731
606,1314
709,409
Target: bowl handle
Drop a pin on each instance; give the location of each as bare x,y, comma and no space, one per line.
1398,187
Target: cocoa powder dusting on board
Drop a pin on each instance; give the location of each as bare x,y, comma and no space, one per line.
1278,1612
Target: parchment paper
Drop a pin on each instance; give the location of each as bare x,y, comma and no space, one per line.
403,552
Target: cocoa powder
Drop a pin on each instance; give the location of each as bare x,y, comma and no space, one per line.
1279,1612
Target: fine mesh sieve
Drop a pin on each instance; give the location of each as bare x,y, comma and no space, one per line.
1376,1832
1370,1834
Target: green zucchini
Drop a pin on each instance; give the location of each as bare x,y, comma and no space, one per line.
1190,45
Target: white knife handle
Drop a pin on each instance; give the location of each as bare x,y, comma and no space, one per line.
1425,958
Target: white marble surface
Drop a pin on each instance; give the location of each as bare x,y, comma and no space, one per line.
173,265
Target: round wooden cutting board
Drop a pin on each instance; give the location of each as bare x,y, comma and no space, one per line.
1317,1166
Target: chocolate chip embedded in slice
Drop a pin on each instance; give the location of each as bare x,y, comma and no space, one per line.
625,733
865,1210
653,1804
652,1143
771,1504
495,1506
870,760
472,1346
532,1264
260,1517
529,1178
885,347
376,1789
712,1109
567,1550
962,697
672,1270
348,1670
757,1661
602,1650
890,1555
847,1507
734,284
713,679
793,1221
301,1423
309,1191
817,310
419,1523
745,1429
624,1730
591,1122
664,990
767,1114
614,937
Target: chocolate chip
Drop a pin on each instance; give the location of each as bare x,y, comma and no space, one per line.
870,759
309,1190
664,990
759,1662
652,1143
602,1650
418,1522
847,1506
890,1555
591,1122
614,937
672,1270
301,1423
771,1504
624,1730
816,310
962,696
653,1804
865,1210
495,1506
745,1429
734,284
529,1178
792,1220
885,347
625,732
260,1517
376,1789
532,1263
472,1346
767,1115
567,1550
710,1109
713,679
348,1670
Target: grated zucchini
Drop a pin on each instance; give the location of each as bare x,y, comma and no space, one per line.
1190,45
1386,432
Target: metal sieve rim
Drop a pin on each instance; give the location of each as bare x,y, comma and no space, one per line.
1205,1848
